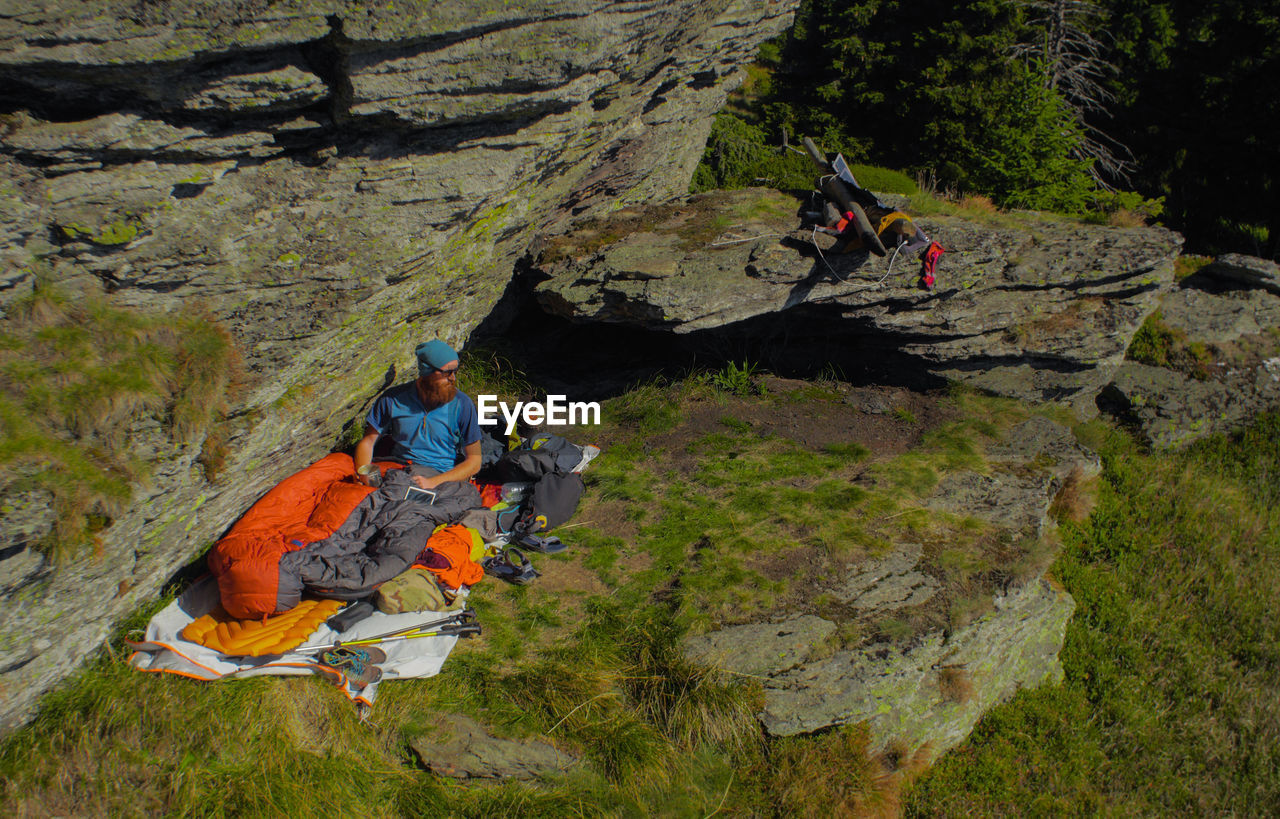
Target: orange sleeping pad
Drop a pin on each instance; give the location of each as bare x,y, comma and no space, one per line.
256,638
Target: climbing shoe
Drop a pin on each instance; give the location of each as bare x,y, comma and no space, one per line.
548,545
358,664
346,655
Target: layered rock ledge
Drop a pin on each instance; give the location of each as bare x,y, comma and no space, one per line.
1025,306
1221,328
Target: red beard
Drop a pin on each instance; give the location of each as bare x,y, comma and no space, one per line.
436,392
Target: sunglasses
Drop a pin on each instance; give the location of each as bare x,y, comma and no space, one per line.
450,373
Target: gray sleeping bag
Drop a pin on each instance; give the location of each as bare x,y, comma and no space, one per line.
378,541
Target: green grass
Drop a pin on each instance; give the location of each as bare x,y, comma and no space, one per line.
603,676
737,379
1154,342
1159,345
621,694
487,371
648,409
884,180
615,480
1189,264
976,209
76,375
1171,659
904,415
1170,706
812,392
739,155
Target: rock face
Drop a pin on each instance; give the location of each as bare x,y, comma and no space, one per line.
1024,307
1244,271
933,691
928,688
463,749
1224,321
332,182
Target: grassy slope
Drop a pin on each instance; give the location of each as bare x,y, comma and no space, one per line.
1171,659
1171,703
76,375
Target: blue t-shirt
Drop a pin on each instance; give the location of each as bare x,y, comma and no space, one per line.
432,438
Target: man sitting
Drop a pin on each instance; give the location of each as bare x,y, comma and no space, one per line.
431,424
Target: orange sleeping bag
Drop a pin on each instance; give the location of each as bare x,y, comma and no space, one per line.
305,507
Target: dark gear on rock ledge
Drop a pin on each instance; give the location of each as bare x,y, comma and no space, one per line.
859,220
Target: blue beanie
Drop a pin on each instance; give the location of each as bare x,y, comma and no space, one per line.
432,355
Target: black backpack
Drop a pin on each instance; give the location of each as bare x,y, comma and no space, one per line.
553,501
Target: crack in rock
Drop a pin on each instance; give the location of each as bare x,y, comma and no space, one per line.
891,583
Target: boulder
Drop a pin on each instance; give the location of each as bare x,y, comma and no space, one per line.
462,748
918,687
761,648
1224,322
1017,502
1024,306
1051,446
888,584
1249,271
932,691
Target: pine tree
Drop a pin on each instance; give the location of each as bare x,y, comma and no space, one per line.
1076,65
1197,89
932,85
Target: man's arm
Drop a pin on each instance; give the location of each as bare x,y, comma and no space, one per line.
467,467
364,449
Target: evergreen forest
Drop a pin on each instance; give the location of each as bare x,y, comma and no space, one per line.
1154,110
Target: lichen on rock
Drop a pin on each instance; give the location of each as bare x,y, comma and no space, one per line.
925,689
1219,362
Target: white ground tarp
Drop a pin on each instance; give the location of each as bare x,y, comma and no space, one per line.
164,650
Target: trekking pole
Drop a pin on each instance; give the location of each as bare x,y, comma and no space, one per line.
452,629
465,617
459,630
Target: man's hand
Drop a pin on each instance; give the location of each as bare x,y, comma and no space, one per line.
426,483
364,452
461,472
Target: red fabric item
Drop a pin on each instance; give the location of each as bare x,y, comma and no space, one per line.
490,493
929,260
453,544
303,508
929,264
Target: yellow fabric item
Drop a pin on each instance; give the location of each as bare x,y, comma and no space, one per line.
255,638
477,545
889,219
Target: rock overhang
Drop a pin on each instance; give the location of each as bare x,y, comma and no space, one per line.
1028,306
